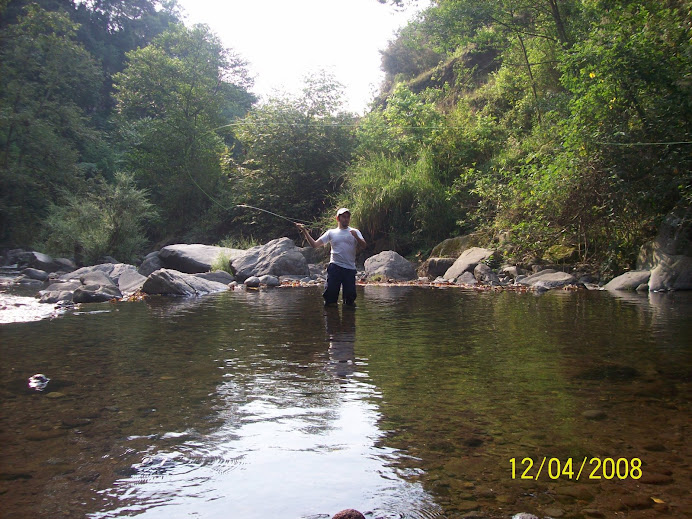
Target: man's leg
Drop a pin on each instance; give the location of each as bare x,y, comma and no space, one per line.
349,281
331,293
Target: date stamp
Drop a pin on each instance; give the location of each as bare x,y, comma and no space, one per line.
576,469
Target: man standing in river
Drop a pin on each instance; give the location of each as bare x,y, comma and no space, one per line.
345,242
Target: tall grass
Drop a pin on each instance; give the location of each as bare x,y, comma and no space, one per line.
401,201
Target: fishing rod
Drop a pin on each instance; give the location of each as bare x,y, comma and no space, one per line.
292,220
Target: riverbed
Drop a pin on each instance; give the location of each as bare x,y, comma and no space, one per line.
420,403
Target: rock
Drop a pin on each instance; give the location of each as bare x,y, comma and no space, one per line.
435,267
674,239
130,282
348,514
65,264
32,273
454,247
220,276
554,512
278,257
252,282
37,260
466,279
171,282
524,515
96,277
592,512
672,273
629,280
594,414
548,279
59,292
195,258
636,503
270,281
484,274
561,254
390,265
467,261
151,263
511,271
95,293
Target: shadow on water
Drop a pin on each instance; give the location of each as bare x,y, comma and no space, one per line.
264,404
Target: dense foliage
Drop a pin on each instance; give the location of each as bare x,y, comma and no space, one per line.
532,123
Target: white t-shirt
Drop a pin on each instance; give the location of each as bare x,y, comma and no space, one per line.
344,246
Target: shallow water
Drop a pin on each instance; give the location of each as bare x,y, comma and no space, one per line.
262,404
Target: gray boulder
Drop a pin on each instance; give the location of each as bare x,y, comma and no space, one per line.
220,276
95,293
629,280
270,281
130,282
252,282
672,273
467,262
32,273
59,292
278,257
390,265
466,279
96,277
194,258
172,282
435,267
484,274
151,263
548,279
454,247
37,260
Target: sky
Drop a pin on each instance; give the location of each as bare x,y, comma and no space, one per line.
285,40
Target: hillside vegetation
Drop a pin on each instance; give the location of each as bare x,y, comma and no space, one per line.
540,126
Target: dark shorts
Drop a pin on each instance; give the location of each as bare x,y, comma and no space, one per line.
336,277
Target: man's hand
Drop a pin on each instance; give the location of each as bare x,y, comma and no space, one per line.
359,240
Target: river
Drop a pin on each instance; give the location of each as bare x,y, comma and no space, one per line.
421,403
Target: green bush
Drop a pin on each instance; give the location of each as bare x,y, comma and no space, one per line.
107,220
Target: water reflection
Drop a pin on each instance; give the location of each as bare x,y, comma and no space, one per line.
260,403
341,331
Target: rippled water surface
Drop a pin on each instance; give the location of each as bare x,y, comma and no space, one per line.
262,404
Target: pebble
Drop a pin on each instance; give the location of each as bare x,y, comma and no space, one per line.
592,512
55,394
349,513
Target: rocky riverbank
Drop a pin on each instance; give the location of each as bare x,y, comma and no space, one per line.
189,270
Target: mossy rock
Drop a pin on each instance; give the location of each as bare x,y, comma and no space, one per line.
453,247
561,254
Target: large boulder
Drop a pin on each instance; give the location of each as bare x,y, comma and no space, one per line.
130,282
549,279
96,293
195,258
454,247
467,262
629,280
674,239
672,273
59,292
279,257
35,260
484,274
432,268
389,265
151,263
172,282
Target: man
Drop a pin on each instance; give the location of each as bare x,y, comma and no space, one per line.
345,242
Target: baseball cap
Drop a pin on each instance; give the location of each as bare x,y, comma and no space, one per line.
342,211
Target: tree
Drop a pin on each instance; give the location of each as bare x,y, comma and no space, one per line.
295,150
174,98
47,82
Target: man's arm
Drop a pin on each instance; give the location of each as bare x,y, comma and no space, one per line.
361,241
313,243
